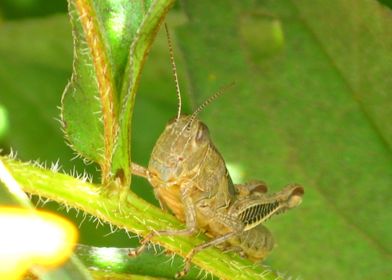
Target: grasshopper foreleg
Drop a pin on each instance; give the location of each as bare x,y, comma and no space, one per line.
139,170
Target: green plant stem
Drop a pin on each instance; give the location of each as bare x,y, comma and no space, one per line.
135,215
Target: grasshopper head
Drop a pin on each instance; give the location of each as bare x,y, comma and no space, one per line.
180,148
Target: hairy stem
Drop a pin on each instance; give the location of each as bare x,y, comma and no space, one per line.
134,215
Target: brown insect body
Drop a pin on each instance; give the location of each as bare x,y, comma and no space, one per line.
190,178
185,158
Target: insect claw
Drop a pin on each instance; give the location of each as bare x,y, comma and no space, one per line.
136,252
187,265
144,242
181,273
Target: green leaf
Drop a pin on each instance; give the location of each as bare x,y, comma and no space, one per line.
11,9
316,111
152,262
35,64
72,269
3,122
139,50
111,40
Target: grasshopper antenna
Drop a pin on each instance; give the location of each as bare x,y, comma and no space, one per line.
208,101
173,63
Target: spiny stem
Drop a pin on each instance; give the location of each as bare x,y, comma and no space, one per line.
135,215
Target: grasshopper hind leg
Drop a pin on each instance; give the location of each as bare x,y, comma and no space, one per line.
251,187
254,244
195,250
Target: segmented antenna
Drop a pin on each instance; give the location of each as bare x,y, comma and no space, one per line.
208,101
173,63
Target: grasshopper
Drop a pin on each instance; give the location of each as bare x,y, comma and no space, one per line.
189,177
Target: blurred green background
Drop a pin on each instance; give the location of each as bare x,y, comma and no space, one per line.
312,104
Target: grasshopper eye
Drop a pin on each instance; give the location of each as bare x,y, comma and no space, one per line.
202,133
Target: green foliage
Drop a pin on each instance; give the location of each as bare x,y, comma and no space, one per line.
111,40
312,104
317,112
3,122
16,9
